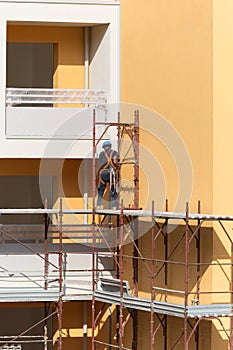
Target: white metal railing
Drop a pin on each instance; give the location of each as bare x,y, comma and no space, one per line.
17,96
11,346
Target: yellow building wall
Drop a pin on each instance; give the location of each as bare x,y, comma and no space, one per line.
222,104
68,50
72,325
223,123
222,145
174,332
166,65
175,267
176,58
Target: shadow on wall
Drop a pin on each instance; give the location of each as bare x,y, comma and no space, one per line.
213,249
219,338
175,268
97,34
72,325
175,328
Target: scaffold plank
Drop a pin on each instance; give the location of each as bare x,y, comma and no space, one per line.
127,212
166,308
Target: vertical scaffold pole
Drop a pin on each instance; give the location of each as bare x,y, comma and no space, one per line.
198,269
118,276
121,275
118,151
186,278
152,277
166,274
93,165
110,327
93,227
231,317
135,225
46,227
136,152
60,301
118,229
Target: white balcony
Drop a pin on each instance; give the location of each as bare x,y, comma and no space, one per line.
59,49
43,113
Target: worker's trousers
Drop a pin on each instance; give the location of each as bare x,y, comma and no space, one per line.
105,177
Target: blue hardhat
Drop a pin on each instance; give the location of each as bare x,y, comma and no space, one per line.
107,144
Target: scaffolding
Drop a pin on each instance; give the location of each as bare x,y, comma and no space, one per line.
162,310
116,290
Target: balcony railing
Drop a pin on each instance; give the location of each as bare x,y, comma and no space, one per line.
30,96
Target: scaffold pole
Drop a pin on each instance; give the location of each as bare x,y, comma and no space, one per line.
231,317
93,227
121,275
60,301
135,141
186,276
152,277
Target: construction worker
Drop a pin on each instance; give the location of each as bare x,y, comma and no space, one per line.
108,173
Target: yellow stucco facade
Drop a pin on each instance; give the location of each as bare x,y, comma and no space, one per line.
176,59
167,65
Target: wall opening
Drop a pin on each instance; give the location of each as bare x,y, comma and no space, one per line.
30,65
15,320
22,192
